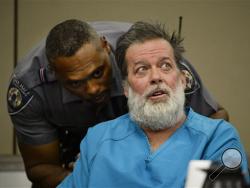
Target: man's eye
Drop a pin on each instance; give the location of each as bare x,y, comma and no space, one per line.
166,66
141,69
98,73
75,84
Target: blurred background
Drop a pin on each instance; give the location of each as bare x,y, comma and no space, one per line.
216,33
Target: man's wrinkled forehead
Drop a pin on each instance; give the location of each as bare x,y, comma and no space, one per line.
148,48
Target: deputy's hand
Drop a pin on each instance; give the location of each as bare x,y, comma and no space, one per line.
72,164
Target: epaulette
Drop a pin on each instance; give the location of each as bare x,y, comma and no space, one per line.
18,96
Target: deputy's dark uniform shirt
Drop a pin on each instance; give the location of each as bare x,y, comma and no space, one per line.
197,96
42,110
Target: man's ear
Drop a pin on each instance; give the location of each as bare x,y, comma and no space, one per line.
183,79
105,45
125,88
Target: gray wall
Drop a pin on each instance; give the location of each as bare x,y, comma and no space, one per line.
6,65
216,35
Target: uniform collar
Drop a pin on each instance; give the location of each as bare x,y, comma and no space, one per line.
116,87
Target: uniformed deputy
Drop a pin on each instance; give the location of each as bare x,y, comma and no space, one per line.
71,82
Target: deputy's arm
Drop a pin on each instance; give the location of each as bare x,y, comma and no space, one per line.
42,164
37,137
221,113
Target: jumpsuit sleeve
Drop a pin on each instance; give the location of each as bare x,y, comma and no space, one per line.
226,137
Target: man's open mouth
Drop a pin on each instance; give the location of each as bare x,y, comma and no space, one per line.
158,94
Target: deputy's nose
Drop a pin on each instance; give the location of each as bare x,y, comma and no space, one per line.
93,89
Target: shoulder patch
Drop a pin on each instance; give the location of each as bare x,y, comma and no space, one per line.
189,80
191,83
18,96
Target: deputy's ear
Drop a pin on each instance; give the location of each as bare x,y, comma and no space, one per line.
105,44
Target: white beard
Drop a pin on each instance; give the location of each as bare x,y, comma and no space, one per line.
158,115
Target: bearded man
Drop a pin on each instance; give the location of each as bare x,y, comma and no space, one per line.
152,145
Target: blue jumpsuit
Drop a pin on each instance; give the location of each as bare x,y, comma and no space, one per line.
117,153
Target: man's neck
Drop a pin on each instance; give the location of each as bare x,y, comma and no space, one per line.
157,138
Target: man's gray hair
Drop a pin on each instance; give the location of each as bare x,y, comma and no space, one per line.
140,32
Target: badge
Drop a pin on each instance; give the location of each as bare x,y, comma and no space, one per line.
18,96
